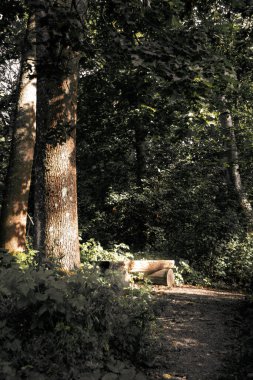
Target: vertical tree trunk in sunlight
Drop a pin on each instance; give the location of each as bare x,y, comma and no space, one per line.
56,223
229,129
15,200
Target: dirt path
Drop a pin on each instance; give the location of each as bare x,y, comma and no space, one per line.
199,334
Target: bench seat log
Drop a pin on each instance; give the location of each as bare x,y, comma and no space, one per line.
149,266
159,272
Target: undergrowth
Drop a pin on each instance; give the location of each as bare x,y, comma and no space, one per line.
92,250
56,326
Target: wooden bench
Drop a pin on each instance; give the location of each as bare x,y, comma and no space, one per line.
159,272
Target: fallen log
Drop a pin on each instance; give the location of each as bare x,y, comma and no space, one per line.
162,277
159,272
149,266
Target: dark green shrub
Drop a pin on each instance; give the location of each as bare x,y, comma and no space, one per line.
54,326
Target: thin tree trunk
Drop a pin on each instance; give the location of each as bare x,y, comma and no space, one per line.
140,148
140,136
16,194
229,128
56,224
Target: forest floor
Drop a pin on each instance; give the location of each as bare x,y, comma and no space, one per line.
199,336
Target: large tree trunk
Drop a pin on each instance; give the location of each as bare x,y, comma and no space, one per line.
15,200
56,224
229,128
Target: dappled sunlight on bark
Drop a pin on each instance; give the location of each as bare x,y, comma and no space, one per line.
15,199
56,226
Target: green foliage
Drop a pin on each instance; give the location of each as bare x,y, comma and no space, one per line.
185,274
57,326
231,264
234,264
27,259
93,251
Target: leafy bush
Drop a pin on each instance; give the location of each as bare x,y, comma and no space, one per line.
230,264
185,273
234,261
57,326
93,251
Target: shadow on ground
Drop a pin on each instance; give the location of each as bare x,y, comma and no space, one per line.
199,337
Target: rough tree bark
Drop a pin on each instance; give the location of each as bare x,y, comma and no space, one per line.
234,169
56,223
15,199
